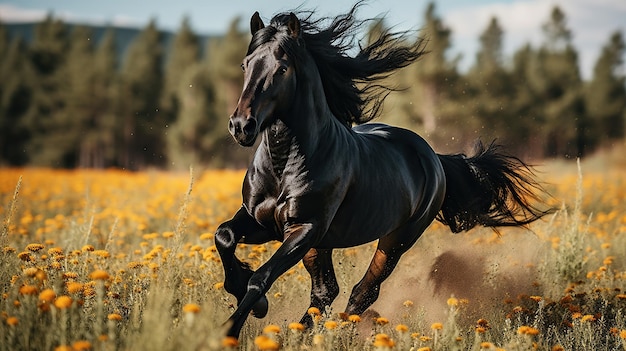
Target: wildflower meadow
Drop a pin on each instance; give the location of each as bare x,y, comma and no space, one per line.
116,260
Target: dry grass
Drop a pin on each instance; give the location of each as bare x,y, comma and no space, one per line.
110,260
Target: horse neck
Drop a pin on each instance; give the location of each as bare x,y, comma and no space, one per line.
306,121
292,139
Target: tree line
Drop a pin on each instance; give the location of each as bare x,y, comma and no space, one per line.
67,101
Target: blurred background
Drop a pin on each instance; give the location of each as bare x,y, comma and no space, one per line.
113,84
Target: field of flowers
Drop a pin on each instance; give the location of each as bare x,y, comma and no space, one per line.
110,260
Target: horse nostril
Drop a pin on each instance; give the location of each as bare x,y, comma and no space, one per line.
250,127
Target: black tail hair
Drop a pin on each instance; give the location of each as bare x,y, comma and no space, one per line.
491,188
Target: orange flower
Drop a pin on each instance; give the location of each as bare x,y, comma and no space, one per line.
81,345
436,326
47,295
191,308
28,290
271,329
63,302
296,326
13,321
114,317
526,330
99,274
265,343
230,342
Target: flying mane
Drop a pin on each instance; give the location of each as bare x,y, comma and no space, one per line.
352,84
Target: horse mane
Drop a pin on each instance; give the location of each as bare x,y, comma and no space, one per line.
352,84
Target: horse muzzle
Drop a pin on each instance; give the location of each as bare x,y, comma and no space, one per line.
243,129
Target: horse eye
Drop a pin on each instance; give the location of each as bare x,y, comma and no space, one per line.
282,70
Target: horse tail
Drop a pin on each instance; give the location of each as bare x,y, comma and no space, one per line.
491,188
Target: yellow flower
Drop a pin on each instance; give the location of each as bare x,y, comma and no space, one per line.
47,295
558,348
218,285
102,253
99,274
88,248
265,343
330,325
296,326
382,321
191,308
588,318
536,298
313,311
402,328
230,342
425,348
408,303
436,326
24,256
383,340
354,318
453,302
486,345
34,247
74,287
271,329
622,334
63,302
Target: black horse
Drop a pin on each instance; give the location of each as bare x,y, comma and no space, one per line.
317,184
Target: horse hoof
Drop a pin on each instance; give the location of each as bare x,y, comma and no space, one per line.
259,310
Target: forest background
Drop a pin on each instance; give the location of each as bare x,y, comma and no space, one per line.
81,96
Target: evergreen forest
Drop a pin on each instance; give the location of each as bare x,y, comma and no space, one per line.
68,100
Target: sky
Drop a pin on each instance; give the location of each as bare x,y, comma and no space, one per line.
591,21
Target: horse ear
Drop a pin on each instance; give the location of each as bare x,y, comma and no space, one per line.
294,25
256,23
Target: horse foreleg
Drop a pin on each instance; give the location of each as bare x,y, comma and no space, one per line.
324,287
298,240
236,273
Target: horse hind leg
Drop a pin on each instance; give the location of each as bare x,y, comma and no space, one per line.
324,286
390,249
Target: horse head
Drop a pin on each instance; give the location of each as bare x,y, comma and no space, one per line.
269,78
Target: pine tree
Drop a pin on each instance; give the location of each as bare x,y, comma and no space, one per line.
48,53
184,53
16,94
436,85
526,106
102,147
605,95
490,91
142,143
560,87
224,57
193,137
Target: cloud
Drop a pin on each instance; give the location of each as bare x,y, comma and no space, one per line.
10,13
590,21
14,14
